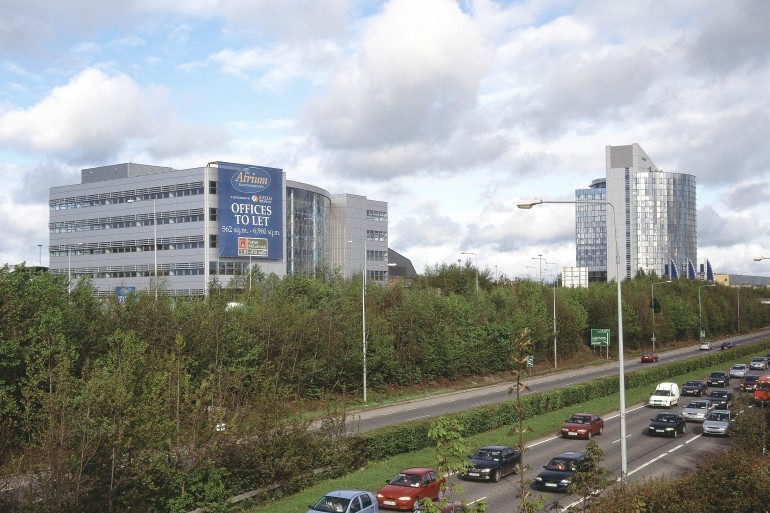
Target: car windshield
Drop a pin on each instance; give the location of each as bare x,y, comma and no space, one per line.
662,392
561,464
693,384
332,504
718,375
486,454
739,366
401,479
724,417
718,393
668,419
699,405
750,378
579,419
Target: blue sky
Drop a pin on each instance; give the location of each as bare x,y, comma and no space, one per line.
449,111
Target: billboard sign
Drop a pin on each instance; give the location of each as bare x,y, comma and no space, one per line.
250,211
121,294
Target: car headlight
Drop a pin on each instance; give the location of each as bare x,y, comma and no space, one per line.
538,478
564,481
380,496
485,470
405,498
669,429
581,430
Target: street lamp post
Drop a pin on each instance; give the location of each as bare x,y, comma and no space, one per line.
363,316
653,311
155,244
40,254
621,363
700,311
476,264
540,257
555,279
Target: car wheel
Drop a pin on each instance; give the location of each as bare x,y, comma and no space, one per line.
588,436
684,429
416,505
496,476
601,430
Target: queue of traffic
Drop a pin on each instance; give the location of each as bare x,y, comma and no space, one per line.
711,407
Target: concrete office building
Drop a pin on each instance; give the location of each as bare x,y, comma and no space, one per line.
656,215
132,226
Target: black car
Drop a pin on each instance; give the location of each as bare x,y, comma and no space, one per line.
695,387
492,462
749,382
721,399
557,475
667,424
718,379
727,345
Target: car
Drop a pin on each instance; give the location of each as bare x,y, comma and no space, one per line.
697,410
405,490
346,501
758,363
650,358
665,394
558,473
749,382
722,399
718,379
667,424
704,346
582,425
726,345
739,370
695,387
492,462
717,423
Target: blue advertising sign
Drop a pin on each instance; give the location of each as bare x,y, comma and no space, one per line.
121,294
250,211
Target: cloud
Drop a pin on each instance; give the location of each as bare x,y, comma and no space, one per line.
715,229
95,117
415,77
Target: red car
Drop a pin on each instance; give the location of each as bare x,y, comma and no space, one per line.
582,425
406,488
650,358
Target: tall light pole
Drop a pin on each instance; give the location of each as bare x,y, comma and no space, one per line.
700,314
40,254
363,314
555,279
155,244
621,363
476,264
540,257
653,311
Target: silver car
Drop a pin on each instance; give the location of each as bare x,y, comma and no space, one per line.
739,370
697,411
717,423
346,501
758,363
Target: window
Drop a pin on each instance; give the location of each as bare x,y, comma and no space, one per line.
212,214
212,241
212,187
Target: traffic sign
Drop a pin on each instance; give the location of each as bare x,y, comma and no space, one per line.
600,337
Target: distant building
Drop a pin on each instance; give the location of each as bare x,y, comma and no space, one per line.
656,213
741,280
126,225
574,277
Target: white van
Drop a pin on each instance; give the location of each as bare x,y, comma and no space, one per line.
665,394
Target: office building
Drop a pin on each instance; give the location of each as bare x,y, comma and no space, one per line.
140,227
656,217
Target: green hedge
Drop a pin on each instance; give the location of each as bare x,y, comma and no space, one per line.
412,436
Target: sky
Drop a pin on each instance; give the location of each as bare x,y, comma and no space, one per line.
451,111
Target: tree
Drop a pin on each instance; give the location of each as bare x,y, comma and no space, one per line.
591,482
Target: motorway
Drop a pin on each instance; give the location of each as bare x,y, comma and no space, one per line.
647,456
365,420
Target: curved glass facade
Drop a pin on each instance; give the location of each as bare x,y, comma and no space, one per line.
664,220
307,229
591,231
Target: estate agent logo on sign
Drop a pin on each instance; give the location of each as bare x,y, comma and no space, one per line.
250,211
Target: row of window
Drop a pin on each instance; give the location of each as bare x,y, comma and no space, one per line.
144,194
377,235
376,215
131,221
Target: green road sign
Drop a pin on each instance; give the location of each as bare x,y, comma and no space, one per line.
600,337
